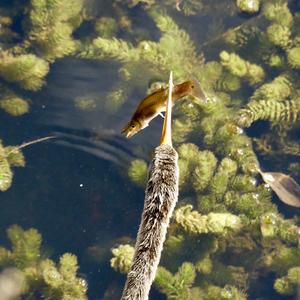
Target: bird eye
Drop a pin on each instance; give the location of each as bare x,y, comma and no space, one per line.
132,126
192,86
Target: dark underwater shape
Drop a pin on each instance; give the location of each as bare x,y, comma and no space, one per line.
285,187
109,147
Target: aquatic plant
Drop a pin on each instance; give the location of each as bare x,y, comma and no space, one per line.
147,57
229,83
188,7
14,105
237,66
137,172
279,35
293,56
86,103
14,156
248,6
225,172
278,12
50,25
177,286
277,112
9,157
106,27
61,281
288,285
122,258
279,89
204,168
27,70
194,222
115,99
256,78
41,275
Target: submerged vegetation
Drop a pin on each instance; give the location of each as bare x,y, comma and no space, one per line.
42,277
227,234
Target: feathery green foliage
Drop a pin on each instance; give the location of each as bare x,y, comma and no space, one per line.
122,258
288,285
242,68
51,24
177,286
9,157
194,222
284,112
248,6
50,281
27,70
255,77
137,172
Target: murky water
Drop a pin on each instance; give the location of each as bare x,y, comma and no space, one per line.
74,189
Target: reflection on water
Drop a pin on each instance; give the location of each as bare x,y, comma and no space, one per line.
75,189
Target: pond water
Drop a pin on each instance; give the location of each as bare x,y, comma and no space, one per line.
75,189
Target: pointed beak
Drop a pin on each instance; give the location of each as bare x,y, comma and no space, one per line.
166,136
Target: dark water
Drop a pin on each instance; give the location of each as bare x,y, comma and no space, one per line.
73,189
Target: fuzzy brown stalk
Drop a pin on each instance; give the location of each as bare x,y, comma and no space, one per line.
160,199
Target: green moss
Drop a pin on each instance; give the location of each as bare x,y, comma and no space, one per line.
211,72
288,285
